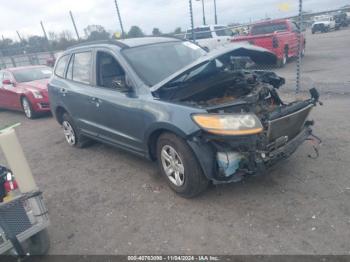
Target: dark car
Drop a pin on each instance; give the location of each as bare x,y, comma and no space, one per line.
25,89
199,114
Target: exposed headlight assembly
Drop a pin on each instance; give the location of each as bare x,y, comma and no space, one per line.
37,94
229,124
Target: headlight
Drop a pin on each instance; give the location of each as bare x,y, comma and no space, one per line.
229,124
37,94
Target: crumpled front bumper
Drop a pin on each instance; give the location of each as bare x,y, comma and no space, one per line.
283,152
256,161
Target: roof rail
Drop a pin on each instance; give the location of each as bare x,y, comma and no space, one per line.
109,41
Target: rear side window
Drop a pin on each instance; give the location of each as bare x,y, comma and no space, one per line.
61,66
80,67
200,33
268,28
222,31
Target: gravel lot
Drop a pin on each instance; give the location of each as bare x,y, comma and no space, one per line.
105,201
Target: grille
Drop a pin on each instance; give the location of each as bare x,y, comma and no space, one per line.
44,105
288,126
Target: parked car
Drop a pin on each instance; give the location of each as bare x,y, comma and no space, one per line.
323,23
279,36
341,19
25,89
199,116
211,36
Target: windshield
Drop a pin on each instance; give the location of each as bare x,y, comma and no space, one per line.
223,31
200,33
268,28
32,74
154,63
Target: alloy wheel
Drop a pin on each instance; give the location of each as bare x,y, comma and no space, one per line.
26,108
69,133
173,165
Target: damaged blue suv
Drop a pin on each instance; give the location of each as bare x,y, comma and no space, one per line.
200,115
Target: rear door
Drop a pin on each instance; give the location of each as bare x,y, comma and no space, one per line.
78,93
293,40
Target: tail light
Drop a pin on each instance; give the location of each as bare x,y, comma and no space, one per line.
274,42
8,185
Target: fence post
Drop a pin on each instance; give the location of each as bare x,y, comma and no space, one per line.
300,20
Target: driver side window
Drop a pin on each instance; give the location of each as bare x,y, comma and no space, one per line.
109,72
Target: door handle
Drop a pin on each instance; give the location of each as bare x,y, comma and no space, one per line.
63,91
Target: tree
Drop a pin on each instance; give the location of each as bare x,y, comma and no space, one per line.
36,44
135,31
96,32
177,30
66,35
52,36
156,32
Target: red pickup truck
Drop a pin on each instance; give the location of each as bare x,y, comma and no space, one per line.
279,36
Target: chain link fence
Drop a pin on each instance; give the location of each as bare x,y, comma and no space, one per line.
24,59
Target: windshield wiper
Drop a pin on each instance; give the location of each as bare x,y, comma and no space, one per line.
189,74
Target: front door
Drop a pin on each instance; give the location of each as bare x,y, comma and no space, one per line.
117,111
8,96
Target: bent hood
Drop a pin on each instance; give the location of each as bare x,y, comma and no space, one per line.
257,54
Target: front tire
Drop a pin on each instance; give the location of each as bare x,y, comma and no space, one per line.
27,108
177,162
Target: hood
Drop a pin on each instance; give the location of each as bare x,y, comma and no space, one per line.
37,85
257,54
321,22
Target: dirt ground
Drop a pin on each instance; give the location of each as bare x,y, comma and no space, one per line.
105,201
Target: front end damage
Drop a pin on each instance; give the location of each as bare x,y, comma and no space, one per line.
227,158
246,127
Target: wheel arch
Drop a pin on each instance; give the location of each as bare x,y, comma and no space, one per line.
59,112
154,133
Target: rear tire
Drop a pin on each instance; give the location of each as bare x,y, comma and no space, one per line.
283,61
71,133
173,152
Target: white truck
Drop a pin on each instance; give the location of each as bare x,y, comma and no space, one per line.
210,36
323,23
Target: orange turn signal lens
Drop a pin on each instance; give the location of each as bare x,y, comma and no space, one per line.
229,124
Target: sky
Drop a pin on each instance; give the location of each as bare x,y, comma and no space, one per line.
25,15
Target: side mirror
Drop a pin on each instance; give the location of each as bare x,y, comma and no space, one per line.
121,85
7,82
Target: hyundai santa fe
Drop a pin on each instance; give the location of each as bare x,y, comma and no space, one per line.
202,116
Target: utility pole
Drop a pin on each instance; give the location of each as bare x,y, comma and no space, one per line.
47,39
120,19
44,31
19,36
216,16
192,24
203,9
74,25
